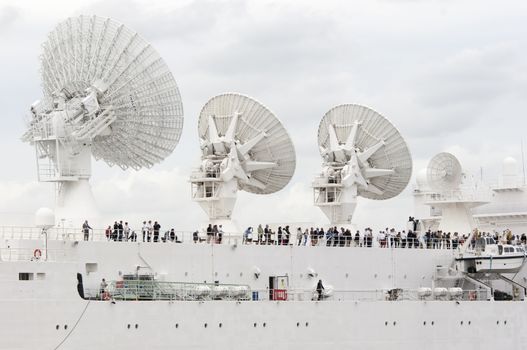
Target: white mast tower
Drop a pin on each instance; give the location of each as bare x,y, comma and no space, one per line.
363,155
107,93
244,147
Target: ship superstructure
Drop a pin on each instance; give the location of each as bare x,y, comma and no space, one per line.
84,288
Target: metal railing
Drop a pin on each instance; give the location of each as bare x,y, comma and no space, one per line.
196,237
136,290
159,290
29,254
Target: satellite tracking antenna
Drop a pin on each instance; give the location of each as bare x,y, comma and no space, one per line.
363,155
244,147
444,172
107,93
444,177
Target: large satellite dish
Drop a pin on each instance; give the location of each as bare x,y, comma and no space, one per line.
363,155
356,129
107,93
265,150
444,172
116,91
244,147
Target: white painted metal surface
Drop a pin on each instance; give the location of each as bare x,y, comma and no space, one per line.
107,93
244,147
363,155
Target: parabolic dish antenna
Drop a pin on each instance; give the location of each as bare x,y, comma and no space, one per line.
107,93
243,147
382,155
114,90
444,172
363,156
264,150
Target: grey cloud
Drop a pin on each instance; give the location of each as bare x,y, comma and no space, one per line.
187,23
473,76
8,16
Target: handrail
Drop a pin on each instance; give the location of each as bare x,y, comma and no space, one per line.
76,234
181,291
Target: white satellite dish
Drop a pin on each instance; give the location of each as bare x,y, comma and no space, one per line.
444,172
107,93
363,155
244,147
444,177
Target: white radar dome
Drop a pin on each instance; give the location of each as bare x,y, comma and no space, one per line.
510,166
44,218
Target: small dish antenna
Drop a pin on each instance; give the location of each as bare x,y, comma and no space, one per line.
444,176
244,147
363,155
107,93
444,172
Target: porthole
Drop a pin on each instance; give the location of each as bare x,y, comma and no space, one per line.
307,324
136,326
386,323
432,323
498,322
394,323
220,325
241,274
347,275
205,325
461,322
505,322
177,325
128,326
264,324
215,274
186,274
65,326
57,327
298,324
254,324
469,322
424,323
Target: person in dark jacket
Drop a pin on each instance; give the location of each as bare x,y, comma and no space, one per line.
157,227
320,288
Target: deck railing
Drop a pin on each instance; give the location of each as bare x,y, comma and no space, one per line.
136,290
102,235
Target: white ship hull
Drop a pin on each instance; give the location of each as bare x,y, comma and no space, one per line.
340,325
353,318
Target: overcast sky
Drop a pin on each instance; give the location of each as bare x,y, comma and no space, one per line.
451,75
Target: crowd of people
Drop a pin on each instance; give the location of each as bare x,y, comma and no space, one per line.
343,237
122,232
331,237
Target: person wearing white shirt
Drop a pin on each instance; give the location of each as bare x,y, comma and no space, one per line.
145,230
150,229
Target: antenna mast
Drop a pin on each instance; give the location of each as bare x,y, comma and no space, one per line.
523,162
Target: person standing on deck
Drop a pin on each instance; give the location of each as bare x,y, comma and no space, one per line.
86,230
320,288
157,227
